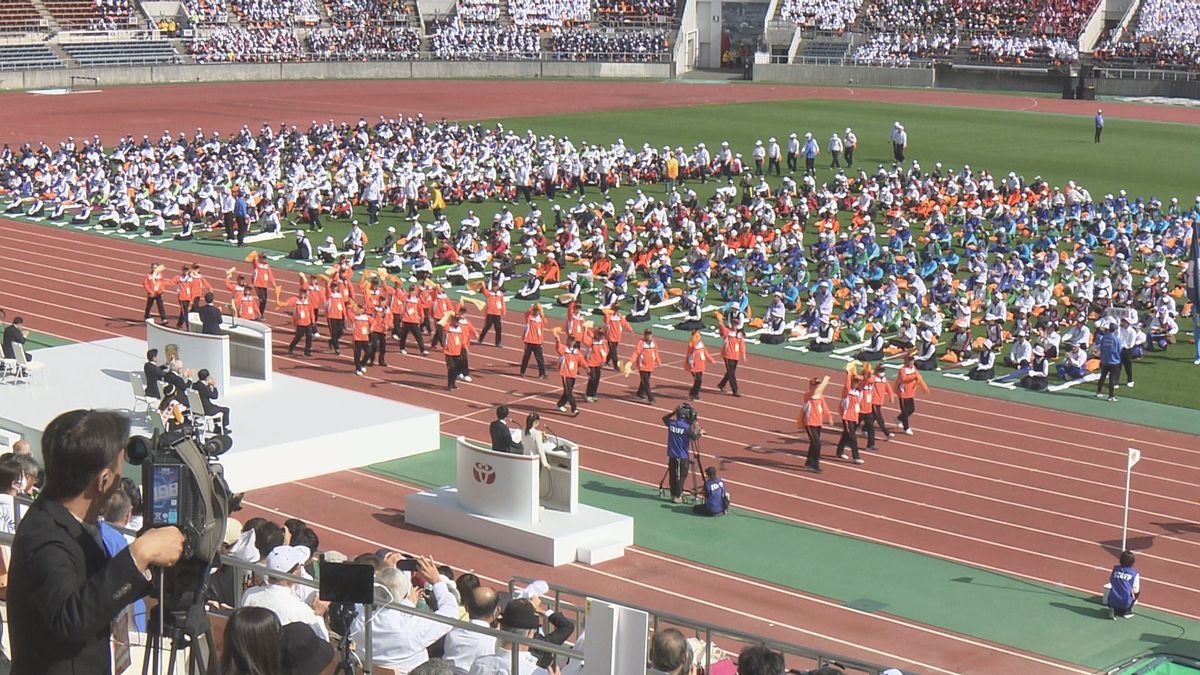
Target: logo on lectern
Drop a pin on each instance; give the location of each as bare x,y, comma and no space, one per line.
483,473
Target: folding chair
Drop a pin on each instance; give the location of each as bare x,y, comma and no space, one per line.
25,367
204,425
139,393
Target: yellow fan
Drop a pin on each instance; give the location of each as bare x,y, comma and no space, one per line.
589,325
626,367
476,285
854,368
556,331
476,302
251,256
231,270
278,297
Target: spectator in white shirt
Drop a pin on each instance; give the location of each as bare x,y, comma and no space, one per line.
463,647
279,597
520,618
400,640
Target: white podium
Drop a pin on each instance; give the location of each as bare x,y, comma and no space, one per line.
514,503
240,356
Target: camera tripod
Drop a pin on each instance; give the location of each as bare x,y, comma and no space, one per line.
696,470
185,625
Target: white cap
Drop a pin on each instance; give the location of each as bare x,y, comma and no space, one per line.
286,558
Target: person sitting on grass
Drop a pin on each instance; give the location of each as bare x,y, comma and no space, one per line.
716,497
1124,587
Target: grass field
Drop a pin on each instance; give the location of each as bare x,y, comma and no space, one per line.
1144,158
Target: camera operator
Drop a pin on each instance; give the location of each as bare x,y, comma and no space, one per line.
682,429
716,497
64,591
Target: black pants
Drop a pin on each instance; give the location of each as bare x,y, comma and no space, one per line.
378,350
243,226
593,383
814,447
261,292
697,382
677,471
1110,372
773,165
849,439
568,394
536,352
810,165
413,329
643,390
849,156
153,301
337,328
305,332
454,369
837,160
373,212
908,406
185,306
227,219
491,321
898,152
1099,130
223,412
362,350
730,376
439,336
612,354
1127,364
791,162
466,363
876,419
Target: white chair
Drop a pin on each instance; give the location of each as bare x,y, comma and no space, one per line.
8,368
25,367
204,425
139,393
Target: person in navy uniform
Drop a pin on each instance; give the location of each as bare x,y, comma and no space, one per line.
1124,587
716,497
681,431
1099,124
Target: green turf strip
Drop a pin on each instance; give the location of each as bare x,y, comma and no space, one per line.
1026,615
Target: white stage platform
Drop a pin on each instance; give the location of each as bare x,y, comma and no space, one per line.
293,429
590,535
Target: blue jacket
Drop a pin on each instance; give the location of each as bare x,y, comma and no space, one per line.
1120,594
1110,348
714,496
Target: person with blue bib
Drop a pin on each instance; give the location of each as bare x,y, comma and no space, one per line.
682,429
1124,587
1109,346
716,497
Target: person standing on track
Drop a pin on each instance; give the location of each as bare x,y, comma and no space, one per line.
882,394
410,320
155,285
597,355
646,359
335,315
496,303
733,351
440,306
813,414
302,320
694,362
183,291
570,361
907,382
851,406
362,337
534,337
458,333
615,326
381,322
263,278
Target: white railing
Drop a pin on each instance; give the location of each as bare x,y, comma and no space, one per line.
1093,27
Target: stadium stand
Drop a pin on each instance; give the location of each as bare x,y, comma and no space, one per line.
628,46
1166,35
352,13
95,54
831,15
477,10
206,12
484,42
635,12
20,16
365,42
273,13
549,12
91,14
28,57
231,44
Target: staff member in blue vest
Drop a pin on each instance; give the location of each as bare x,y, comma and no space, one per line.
1109,346
810,152
1099,124
1124,587
682,429
716,497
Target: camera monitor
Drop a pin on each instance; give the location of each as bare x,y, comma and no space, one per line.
347,582
165,492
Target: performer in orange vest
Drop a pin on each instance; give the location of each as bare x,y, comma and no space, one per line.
410,321
535,323
184,292
245,305
362,337
381,321
646,359
335,314
881,394
200,285
569,363
733,350
576,323
614,327
155,285
695,362
458,333
851,401
597,354
906,383
263,277
813,414
302,320
496,304
439,306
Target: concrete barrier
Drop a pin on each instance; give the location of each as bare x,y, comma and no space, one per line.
840,76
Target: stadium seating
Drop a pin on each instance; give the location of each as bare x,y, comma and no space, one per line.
1165,34
635,12
144,53
625,46
354,13
831,15
230,44
365,42
28,57
91,14
902,49
552,13
206,12
20,16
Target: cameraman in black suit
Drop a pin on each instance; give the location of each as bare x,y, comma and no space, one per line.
206,387
64,591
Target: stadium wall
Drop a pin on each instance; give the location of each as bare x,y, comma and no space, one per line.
251,72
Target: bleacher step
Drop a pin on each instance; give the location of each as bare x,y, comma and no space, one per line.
67,59
44,12
599,553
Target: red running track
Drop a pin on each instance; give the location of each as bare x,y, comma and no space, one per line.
1013,488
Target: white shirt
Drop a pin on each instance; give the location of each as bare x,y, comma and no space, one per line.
500,663
283,601
399,640
463,647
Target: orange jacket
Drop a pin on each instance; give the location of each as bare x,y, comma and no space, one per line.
697,358
458,336
598,353
614,326
496,302
733,344
850,404
535,324
814,412
362,327
263,276
906,381
645,356
569,363
153,283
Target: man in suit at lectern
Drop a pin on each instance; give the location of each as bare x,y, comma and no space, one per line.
502,440
210,316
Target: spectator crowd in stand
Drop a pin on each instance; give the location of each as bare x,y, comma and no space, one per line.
483,42
229,44
549,12
1166,34
268,13
111,15
901,49
203,12
352,13
482,11
629,46
1024,49
360,42
830,15
617,12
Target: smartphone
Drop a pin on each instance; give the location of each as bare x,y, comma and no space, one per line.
407,564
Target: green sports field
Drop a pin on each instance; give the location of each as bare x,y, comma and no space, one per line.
1144,158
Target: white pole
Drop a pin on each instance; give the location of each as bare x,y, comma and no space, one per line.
1125,517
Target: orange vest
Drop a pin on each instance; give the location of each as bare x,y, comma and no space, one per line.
697,358
645,356
534,324
598,354
733,345
495,302
906,381
362,328
814,412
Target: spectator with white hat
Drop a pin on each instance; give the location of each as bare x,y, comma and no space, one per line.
279,595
